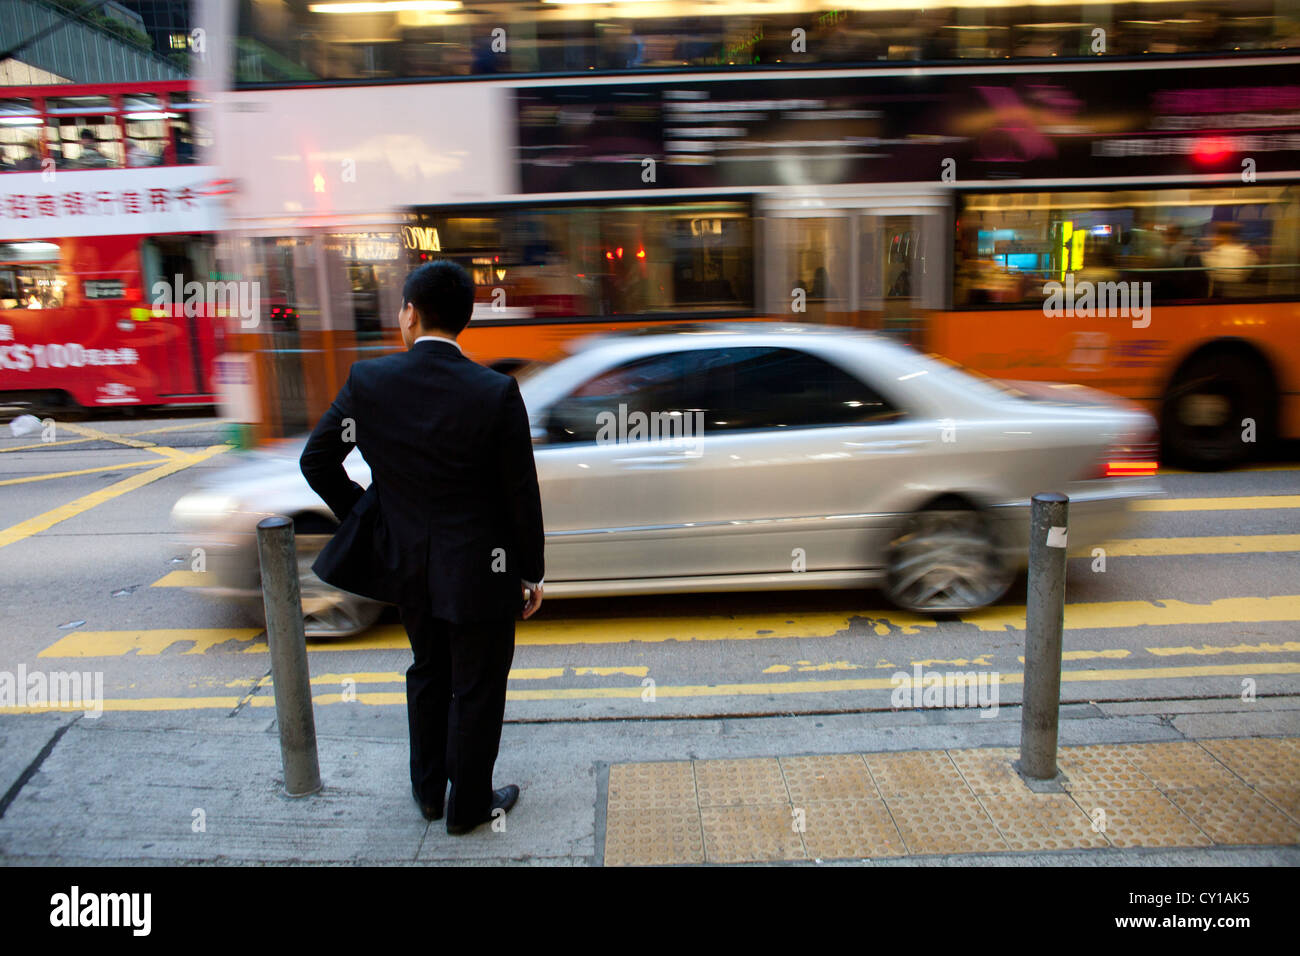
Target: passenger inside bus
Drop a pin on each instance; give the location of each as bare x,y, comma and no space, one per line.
28,159
91,157
1229,261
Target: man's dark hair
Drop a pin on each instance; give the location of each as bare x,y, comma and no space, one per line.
443,295
87,134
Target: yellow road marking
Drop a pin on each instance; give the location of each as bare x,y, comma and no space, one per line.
1206,650
536,673
1115,654
207,422
1156,547
47,444
146,643
384,698
96,434
182,579
43,522
397,677
1235,471
1094,615
93,435
1217,504
1106,614
82,471
981,661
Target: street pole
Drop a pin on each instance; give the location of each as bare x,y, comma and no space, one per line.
288,643
1045,620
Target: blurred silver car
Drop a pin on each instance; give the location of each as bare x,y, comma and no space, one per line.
757,456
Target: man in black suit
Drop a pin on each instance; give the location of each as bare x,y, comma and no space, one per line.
450,530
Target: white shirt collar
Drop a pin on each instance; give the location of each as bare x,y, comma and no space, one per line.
439,338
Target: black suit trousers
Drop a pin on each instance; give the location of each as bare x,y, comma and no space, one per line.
456,703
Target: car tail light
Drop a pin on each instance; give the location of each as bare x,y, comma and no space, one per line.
1131,458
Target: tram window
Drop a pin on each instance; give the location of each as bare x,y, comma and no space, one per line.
83,133
189,128
20,126
146,130
1194,245
30,287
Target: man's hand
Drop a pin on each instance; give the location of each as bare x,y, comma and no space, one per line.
532,600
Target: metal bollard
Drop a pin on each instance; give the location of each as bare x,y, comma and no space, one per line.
1040,714
288,643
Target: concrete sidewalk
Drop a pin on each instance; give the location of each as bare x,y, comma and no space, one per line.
912,787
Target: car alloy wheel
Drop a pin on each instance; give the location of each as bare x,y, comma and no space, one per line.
944,561
327,611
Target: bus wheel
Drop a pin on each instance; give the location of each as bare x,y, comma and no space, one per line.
944,561
1206,413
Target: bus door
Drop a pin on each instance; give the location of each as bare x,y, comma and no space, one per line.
871,262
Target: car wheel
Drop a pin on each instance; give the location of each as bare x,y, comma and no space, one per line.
1202,413
945,561
327,611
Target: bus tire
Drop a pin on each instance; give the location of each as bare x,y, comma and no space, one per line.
1204,412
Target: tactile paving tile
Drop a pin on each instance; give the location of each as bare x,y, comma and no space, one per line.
914,772
1100,768
989,769
1235,815
1285,798
732,783
952,822
1041,821
832,777
668,785
1178,765
1140,818
849,829
653,837
1260,761
750,834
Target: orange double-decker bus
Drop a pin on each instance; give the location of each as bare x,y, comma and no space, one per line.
1184,298
1125,223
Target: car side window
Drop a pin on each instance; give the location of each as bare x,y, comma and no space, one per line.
651,384
748,388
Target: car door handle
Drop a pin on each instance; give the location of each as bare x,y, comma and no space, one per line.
894,444
655,461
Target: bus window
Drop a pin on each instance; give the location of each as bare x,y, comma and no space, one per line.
586,261
1192,245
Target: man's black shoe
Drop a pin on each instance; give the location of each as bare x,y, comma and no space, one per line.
502,800
430,812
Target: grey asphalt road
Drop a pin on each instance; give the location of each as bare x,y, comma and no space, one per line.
1196,602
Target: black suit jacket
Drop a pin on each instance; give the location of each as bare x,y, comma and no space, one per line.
453,515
